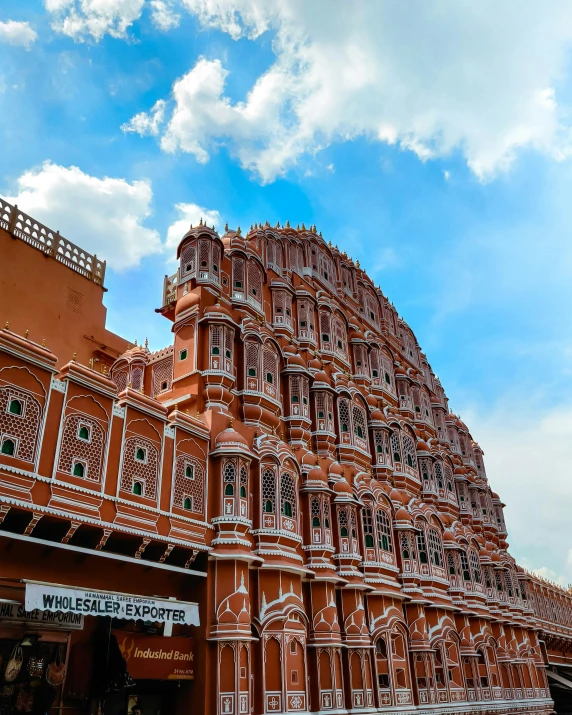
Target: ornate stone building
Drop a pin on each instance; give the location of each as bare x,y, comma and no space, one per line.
294,447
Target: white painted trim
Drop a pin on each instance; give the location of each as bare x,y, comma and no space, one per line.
105,554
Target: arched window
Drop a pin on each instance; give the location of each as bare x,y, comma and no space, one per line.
137,489
367,521
475,566
187,504
383,525
83,432
287,495
8,447
79,469
270,363
465,566
269,492
395,447
229,478
435,548
140,454
15,407
421,544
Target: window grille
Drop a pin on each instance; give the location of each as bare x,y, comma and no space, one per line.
162,376
254,282
395,447
315,511
388,379
137,378
188,260
409,451
343,521
435,547
252,351
375,366
269,491
383,530
340,337
475,566
439,475
325,330
359,424
287,495
361,362
405,543
465,566
270,369
238,276
367,521
344,415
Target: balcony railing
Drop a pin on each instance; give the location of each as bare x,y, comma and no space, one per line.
20,225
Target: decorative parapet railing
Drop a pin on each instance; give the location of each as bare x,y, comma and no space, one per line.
35,234
170,289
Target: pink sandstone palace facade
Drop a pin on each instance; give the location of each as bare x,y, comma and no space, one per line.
288,464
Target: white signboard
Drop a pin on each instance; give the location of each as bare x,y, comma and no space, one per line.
17,612
105,603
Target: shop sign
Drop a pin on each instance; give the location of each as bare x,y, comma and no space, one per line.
16,612
157,657
48,597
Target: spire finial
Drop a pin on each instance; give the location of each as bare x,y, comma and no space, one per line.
147,344
135,342
7,326
287,223
201,221
238,231
74,358
26,333
43,342
226,227
231,422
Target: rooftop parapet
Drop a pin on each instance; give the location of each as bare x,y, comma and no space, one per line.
21,226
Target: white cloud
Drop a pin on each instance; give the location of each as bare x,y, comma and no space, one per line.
478,78
189,215
147,122
17,33
528,454
446,175
163,15
81,19
103,216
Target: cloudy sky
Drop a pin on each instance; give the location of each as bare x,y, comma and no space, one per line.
431,141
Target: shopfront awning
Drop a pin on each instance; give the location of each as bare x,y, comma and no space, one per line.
87,602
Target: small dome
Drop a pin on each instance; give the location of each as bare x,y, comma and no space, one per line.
315,364
321,376
356,334
448,537
377,416
402,515
230,437
317,475
185,302
372,401
335,470
460,471
422,447
295,360
214,309
342,487
396,495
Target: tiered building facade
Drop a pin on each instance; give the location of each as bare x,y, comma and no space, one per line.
290,462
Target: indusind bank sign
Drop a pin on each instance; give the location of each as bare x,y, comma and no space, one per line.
157,657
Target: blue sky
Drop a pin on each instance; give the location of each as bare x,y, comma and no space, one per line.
434,146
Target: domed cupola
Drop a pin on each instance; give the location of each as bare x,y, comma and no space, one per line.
200,254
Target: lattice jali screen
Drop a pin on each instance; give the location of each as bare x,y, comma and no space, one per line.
191,487
89,452
25,427
134,470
